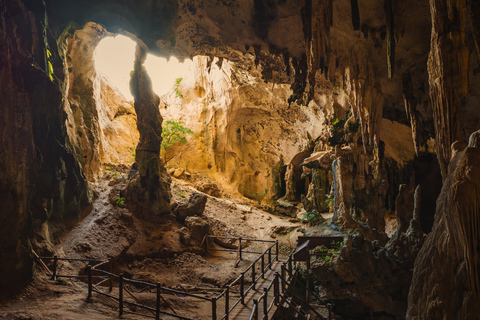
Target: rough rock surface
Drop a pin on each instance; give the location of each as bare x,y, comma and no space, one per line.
150,189
194,206
198,227
365,277
451,251
41,181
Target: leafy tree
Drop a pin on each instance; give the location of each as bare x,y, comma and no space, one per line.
173,133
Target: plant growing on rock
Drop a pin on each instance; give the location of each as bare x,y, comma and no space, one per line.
177,91
120,201
313,217
173,133
260,195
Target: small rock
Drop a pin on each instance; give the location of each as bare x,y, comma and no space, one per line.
178,172
243,217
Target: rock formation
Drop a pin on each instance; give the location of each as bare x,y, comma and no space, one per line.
367,95
451,251
149,191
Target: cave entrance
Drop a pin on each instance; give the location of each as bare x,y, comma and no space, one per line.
114,59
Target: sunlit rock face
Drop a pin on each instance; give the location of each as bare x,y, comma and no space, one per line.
244,124
266,73
101,123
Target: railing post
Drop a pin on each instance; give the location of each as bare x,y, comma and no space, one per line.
242,289
227,302
120,295
290,266
240,248
265,304
283,278
276,288
110,288
206,242
54,272
263,266
270,258
214,308
276,249
253,275
307,293
255,308
329,306
89,272
157,307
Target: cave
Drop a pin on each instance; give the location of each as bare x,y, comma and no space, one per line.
293,159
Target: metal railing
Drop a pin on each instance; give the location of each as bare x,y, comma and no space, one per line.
264,261
97,277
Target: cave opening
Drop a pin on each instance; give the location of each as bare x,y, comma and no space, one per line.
114,59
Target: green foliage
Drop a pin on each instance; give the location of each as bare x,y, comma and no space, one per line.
313,217
173,133
120,201
132,153
326,254
260,195
330,201
177,91
181,194
334,122
50,70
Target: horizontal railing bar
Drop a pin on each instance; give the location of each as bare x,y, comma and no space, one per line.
140,282
99,283
72,276
235,251
105,294
235,304
100,264
186,294
221,294
139,305
243,239
106,272
72,259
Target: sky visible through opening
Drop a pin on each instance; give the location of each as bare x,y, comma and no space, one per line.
114,58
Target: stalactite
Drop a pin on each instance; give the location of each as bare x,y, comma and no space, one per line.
390,17
317,20
411,109
448,65
355,14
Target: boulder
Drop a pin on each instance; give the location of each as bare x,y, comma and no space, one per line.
198,227
194,206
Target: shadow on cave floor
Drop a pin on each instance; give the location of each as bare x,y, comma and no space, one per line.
146,250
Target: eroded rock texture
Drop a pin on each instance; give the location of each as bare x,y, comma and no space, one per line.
451,250
341,95
41,180
149,192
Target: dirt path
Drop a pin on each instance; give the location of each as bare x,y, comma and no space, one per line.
148,252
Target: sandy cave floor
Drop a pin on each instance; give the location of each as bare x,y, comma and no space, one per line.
148,251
